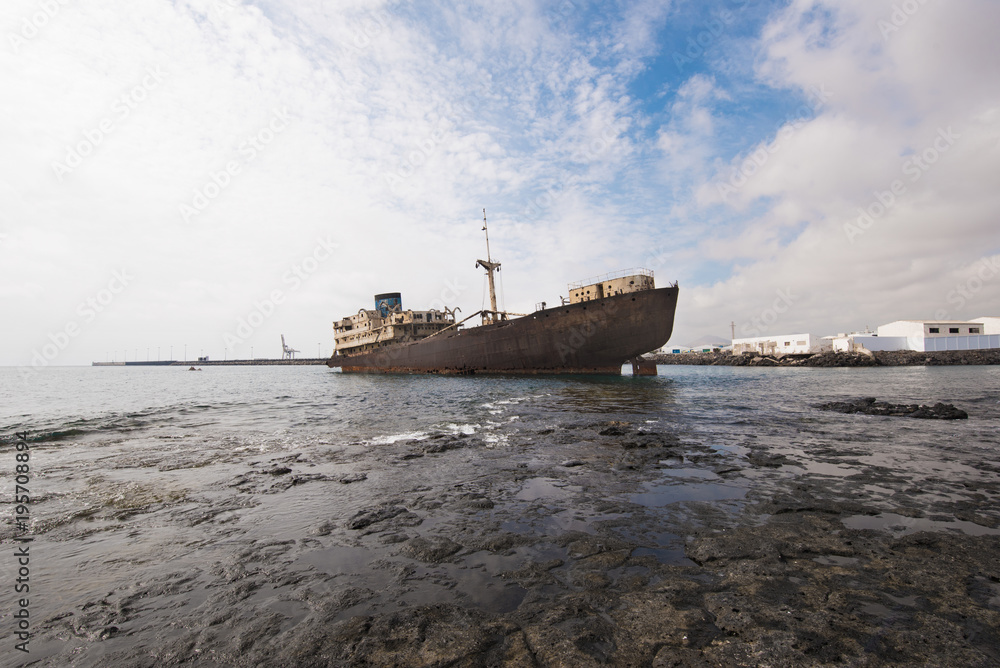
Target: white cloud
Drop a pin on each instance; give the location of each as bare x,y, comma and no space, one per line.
398,131
915,110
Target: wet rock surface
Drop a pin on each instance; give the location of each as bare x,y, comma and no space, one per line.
871,406
602,537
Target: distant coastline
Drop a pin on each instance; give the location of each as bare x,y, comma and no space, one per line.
839,359
824,359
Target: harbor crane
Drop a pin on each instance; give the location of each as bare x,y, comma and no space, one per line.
286,352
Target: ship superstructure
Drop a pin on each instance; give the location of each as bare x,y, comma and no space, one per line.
387,324
610,285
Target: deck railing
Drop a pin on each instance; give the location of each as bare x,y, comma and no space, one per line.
610,277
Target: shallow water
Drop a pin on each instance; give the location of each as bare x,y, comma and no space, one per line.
165,502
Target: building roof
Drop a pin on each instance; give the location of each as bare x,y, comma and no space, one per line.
934,322
772,337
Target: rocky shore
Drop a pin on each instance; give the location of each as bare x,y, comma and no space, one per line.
838,359
796,579
596,523
871,406
800,590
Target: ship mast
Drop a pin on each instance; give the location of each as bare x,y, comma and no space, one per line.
490,266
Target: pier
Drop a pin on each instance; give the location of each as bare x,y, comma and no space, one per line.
196,363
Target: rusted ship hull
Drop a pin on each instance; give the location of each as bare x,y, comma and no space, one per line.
591,337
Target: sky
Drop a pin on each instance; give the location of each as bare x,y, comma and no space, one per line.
199,177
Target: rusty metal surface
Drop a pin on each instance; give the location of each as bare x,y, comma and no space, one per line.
641,367
595,337
604,371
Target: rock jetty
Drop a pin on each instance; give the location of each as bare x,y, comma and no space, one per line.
838,359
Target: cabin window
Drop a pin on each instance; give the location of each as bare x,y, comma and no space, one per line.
953,330
934,330
788,343
973,330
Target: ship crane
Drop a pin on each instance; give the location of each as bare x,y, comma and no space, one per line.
490,266
286,352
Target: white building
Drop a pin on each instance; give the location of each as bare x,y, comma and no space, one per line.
704,348
925,336
786,344
843,342
991,325
869,341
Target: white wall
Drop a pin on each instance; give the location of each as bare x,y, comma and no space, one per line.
875,343
902,328
797,344
917,328
990,325
934,343
920,343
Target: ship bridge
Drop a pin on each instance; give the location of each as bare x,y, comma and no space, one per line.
388,323
609,285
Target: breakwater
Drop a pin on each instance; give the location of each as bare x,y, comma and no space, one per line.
257,362
838,359
254,362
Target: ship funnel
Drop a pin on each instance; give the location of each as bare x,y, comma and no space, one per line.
388,302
